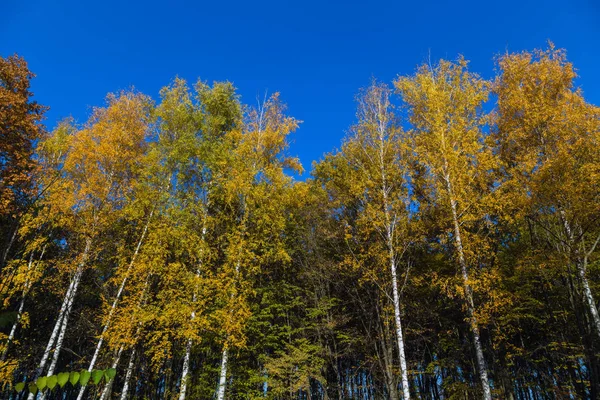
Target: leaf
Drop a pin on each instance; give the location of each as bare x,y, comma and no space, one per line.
63,378
41,382
110,374
20,386
97,376
52,381
85,377
74,378
33,388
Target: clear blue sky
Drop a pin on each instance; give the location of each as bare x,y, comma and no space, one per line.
316,53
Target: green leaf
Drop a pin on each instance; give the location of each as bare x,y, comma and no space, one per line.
74,378
63,378
85,377
41,383
32,388
20,386
97,376
52,381
110,374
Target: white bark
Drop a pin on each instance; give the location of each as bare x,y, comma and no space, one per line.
26,288
223,376
64,309
108,385
587,292
399,334
481,364
114,304
390,227
128,375
581,271
188,346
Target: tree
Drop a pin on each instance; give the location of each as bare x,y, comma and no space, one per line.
20,128
371,172
446,114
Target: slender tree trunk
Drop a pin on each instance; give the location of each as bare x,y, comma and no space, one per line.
64,310
223,376
26,288
188,346
128,374
63,330
114,304
390,225
399,335
108,385
9,245
581,264
481,364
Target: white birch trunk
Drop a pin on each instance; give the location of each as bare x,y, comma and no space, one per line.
188,347
128,375
63,330
581,272
587,293
399,335
481,364
114,304
108,385
390,226
65,307
223,376
26,287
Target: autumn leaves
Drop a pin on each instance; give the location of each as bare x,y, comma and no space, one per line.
450,240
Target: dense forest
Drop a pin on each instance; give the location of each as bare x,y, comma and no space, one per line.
448,250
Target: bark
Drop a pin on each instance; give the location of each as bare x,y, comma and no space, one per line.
26,288
114,304
64,310
108,385
9,245
128,375
581,264
223,376
390,226
188,346
481,364
399,335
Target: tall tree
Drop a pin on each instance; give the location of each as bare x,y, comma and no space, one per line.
445,106
371,172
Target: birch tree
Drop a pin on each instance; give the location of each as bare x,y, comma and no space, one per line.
370,171
445,106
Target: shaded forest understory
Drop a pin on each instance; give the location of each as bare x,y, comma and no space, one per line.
448,249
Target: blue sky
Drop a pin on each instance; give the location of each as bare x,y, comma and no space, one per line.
316,53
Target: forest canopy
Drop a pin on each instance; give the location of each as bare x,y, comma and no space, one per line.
448,250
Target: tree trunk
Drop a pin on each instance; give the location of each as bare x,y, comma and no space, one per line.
481,365
108,385
64,310
26,288
223,376
128,375
399,335
188,346
114,304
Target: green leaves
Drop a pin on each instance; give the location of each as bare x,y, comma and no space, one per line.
41,382
63,378
97,376
83,378
51,382
109,374
74,378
